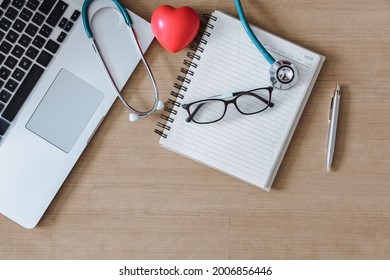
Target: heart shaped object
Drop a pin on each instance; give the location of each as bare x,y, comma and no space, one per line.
175,28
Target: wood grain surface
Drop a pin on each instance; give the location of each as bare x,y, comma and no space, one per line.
128,198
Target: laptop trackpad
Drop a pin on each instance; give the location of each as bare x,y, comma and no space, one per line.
65,111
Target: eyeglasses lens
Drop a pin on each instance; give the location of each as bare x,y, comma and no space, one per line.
208,111
254,101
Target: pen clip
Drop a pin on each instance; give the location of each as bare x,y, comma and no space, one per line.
336,94
330,109
337,90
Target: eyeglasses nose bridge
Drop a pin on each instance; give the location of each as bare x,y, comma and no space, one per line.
234,101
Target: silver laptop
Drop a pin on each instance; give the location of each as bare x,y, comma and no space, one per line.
54,93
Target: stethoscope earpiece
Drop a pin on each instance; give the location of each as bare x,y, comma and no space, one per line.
135,117
160,105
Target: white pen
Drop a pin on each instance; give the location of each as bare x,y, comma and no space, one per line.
333,118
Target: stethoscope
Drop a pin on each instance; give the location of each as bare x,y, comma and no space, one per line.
135,114
283,74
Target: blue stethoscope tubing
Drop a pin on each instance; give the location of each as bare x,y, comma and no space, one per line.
252,35
135,114
278,68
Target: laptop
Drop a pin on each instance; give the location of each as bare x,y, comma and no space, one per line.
54,93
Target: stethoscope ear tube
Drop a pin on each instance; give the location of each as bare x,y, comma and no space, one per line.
84,12
135,114
250,33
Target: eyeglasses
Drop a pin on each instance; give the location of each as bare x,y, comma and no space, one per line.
213,109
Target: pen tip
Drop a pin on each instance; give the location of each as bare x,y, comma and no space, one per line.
328,169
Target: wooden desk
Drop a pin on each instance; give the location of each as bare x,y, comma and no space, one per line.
128,198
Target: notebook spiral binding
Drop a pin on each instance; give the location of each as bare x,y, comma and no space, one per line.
185,72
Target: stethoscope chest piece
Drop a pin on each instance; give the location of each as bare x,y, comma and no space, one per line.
283,74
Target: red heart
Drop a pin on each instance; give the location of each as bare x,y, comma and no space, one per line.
175,28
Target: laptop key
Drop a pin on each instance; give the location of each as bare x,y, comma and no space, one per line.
18,3
5,4
61,37
11,85
11,13
23,92
44,58
24,40
31,29
5,24
5,47
32,4
18,74
19,25
32,52
57,13
4,96
4,73
52,46
17,51
26,14
39,42
38,18
75,15
11,62
63,22
12,36
45,31
69,26
25,63
3,127
46,6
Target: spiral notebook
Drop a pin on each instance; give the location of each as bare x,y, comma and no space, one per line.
252,147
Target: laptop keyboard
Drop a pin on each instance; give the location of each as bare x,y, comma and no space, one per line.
31,33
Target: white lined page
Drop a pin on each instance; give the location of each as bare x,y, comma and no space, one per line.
247,147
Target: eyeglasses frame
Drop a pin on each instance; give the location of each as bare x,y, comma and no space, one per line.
236,95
